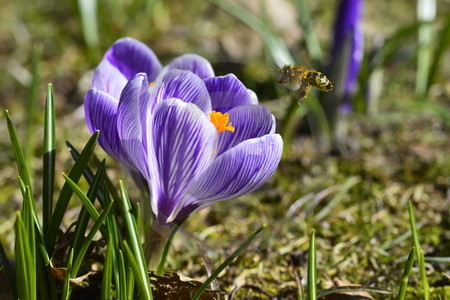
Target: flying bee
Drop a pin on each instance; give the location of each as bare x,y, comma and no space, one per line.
300,80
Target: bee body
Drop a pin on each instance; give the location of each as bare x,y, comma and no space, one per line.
300,80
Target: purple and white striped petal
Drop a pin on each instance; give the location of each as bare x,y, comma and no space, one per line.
191,62
130,125
226,92
131,56
182,85
238,171
183,143
249,122
109,79
100,110
253,97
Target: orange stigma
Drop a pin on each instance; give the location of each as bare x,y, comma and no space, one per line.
152,84
220,120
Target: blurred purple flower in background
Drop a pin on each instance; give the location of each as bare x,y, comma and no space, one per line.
347,51
194,137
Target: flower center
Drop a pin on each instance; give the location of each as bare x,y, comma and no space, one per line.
220,120
151,84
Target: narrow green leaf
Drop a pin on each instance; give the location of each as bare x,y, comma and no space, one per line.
106,292
24,266
340,195
353,289
89,175
66,291
88,17
426,13
80,255
140,273
311,39
294,113
25,193
66,192
130,282
312,268
122,283
405,277
48,172
444,43
137,272
18,152
162,262
418,251
83,219
5,266
226,263
27,213
274,44
439,259
83,198
399,239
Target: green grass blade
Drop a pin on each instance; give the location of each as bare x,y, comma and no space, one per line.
89,175
405,277
274,44
80,255
66,192
162,262
140,272
312,268
227,262
340,195
439,259
66,287
83,219
130,281
290,122
122,283
106,292
26,192
399,239
27,213
18,152
137,271
311,40
5,266
86,203
88,18
426,13
24,262
353,289
418,251
48,172
444,43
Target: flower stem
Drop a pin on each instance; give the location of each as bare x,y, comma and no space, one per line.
155,239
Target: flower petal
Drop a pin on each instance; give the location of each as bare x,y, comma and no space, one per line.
109,79
238,171
249,122
182,85
227,92
253,97
130,125
183,143
101,114
191,62
131,56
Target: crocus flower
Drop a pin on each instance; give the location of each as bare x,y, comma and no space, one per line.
194,137
347,51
